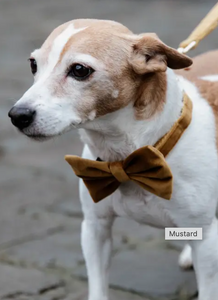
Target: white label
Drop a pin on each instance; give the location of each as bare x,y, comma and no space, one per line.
172,233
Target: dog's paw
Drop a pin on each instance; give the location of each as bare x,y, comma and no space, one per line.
185,258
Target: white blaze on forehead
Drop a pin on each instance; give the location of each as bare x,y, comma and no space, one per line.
211,78
59,44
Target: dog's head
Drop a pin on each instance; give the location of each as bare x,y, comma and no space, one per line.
89,68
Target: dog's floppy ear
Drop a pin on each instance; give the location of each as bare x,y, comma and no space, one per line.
150,54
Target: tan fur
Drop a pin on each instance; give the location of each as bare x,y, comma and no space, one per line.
203,65
150,100
94,40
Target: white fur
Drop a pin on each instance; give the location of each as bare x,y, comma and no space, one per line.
92,115
185,258
114,136
115,94
212,78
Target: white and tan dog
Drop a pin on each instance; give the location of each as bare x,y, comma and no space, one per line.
120,91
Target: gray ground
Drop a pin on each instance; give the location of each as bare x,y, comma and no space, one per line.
40,215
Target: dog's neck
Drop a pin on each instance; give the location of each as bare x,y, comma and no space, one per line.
116,135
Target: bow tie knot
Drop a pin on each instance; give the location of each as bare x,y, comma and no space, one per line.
118,172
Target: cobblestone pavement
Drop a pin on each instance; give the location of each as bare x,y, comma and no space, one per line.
40,214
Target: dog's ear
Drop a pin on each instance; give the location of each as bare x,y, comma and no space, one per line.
150,54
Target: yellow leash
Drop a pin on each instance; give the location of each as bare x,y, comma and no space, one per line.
206,26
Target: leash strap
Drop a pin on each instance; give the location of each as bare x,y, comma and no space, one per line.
206,26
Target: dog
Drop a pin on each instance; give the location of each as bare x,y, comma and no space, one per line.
122,93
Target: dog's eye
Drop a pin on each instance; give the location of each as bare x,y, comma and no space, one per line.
33,65
79,72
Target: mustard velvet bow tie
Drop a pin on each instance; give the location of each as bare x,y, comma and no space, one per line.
146,166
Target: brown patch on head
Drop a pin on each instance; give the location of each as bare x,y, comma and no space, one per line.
78,23
136,66
204,65
98,38
110,43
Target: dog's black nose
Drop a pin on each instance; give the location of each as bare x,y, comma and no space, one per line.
21,117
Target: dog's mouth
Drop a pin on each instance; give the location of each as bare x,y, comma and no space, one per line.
39,137
38,133
36,136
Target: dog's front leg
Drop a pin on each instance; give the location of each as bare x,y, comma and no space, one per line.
205,259
96,240
96,245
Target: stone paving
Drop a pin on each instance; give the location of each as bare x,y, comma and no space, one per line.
40,214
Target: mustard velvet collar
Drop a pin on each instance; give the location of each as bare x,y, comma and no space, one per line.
146,166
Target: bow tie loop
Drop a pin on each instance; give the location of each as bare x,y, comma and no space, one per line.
118,172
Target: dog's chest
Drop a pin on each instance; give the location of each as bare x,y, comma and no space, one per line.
133,202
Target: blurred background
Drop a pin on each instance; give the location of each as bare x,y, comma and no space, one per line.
40,214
